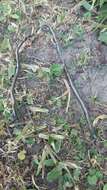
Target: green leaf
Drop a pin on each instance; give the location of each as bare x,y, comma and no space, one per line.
86,5
30,99
21,155
92,171
56,145
2,18
30,141
56,70
12,28
11,70
54,174
105,187
92,180
35,162
49,163
61,17
102,2
78,30
74,132
5,8
77,173
1,105
15,16
5,45
7,114
99,175
105,143
67,181
103,37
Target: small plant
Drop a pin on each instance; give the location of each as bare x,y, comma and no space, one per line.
78,30
56,70
78,145
65,172
103,36
7,11
100,19
94,176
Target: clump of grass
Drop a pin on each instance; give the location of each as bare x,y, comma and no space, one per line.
97,13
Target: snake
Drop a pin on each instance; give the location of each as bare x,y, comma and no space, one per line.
68,75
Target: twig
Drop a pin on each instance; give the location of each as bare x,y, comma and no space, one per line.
12,90
90,128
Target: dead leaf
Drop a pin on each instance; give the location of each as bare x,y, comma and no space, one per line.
21,155
100,117
38,109
32,67
71,165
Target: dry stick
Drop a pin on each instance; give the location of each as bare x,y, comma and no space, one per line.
90,128
12,90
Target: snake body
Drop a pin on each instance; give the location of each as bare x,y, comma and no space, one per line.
12,90
75,91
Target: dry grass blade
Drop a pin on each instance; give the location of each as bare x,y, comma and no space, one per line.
44,155
76,187
100,117
34,183
69,94
71,165
64,94
38,109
